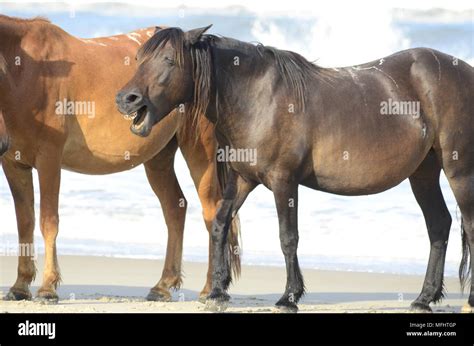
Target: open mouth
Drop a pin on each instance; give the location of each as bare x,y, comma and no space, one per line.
138,117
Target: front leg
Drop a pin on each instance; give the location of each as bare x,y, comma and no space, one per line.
235,193
20,180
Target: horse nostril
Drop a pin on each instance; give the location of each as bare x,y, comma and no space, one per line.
133,98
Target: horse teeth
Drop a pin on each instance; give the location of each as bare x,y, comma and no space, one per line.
131,116
139,126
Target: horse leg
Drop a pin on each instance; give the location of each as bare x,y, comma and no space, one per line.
203,174
236,191
21,185
49,174
286,199
425,186
201,163
162,178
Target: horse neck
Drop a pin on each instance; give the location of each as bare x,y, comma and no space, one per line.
229,79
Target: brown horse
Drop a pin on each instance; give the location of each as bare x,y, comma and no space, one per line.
57,96
353,131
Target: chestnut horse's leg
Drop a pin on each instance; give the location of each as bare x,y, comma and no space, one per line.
285,192
200,160
236,191
162,178
21,185
49,174
425,185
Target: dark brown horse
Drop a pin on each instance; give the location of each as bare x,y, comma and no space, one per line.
352,131
57,96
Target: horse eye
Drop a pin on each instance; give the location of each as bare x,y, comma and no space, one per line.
169,60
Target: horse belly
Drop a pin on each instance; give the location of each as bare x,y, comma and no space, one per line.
87,162
109,146
373,162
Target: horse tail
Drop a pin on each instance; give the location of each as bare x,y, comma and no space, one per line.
464,267
234,246
233,249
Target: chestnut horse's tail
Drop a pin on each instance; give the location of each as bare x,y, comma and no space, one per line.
234,246
234,249
464,267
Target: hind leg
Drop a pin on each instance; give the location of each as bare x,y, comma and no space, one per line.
425,186
203,174
200,159
21,186
162,178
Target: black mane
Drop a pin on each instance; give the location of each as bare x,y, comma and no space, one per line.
294,69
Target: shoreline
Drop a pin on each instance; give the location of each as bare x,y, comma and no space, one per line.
103,284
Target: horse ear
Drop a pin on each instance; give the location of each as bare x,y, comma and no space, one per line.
193,36
158,28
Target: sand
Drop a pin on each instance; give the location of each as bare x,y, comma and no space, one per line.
101,284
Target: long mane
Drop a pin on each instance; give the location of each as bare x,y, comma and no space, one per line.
294,70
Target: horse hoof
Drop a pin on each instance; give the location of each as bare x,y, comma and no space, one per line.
286,307
46,301
219,295
13,295
47,298
154,296
416,307
467,309
217,301
214,305
203,298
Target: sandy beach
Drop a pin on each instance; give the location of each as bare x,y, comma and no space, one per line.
101,284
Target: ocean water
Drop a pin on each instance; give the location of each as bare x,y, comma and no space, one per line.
118,215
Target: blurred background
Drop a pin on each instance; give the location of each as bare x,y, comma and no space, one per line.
118,215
